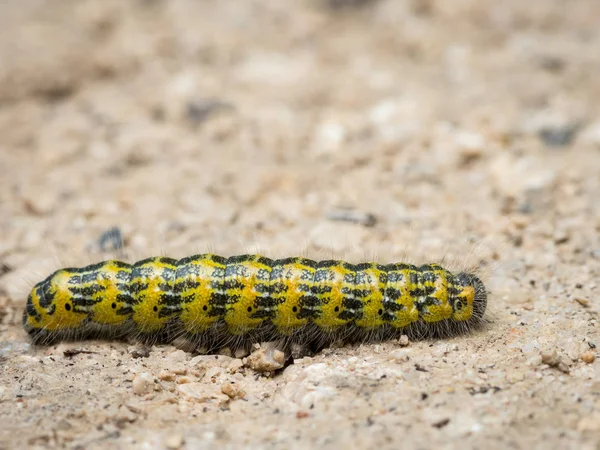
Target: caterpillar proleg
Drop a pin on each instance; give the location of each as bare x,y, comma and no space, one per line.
213,301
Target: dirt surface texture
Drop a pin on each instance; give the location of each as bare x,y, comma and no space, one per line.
366,130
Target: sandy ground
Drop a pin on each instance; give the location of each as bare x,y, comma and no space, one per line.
469,127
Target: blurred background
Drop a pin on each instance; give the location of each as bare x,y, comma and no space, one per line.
362,129
223,122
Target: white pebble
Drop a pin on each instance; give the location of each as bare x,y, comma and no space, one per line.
173,441
142,383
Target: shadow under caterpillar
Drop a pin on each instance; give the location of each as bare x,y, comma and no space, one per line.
212,301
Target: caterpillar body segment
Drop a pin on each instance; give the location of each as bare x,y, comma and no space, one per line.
209,299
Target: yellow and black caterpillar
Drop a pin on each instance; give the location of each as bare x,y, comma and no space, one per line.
214,301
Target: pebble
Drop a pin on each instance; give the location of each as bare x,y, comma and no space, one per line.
173,441
199,110
559,136
235,365
553,360
588,357
140,352
232,390
583,301
330,137
470,145
550,358
166,376
265,359
178,356
403,341
441,423
362,218
561,237
142,383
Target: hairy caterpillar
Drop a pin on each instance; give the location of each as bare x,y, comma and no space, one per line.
212,301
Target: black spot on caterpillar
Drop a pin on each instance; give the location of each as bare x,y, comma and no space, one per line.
212,301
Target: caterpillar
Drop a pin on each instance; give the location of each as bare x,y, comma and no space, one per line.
212,301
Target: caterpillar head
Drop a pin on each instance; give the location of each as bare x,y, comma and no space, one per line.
50,306
471,300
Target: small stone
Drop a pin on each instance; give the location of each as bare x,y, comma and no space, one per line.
583,301
140,352
173,441
563,367
561,237
403,341
110,240
266,359
177,356
553,360
550,358
588,357
441,423
470,146
279,357
232,390
344,215
235,364
142,383
166,376
330,137
559,136
520,222
184,380
201,109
